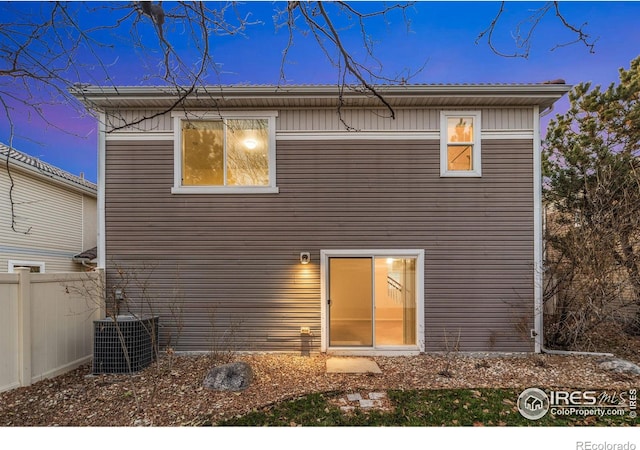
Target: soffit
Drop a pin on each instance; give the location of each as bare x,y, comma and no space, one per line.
322,96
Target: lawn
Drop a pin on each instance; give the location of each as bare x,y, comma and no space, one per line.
419,408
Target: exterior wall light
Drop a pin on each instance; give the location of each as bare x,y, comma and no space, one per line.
305,257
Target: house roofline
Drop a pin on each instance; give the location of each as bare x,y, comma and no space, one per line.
418,95
45,171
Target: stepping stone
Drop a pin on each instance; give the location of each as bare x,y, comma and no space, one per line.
354,397
352,365
367,403
377,395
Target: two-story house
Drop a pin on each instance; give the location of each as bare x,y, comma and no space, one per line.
286,216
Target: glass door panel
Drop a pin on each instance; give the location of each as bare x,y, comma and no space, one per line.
395,301
350,302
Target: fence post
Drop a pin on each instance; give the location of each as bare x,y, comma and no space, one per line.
24,325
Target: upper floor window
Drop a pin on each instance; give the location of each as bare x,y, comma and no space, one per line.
460,144
225,154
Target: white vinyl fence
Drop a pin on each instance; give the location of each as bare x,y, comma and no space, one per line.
46,324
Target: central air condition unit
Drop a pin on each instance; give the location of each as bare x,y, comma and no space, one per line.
127,344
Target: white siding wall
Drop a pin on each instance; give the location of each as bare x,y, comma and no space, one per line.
89,222
323,119
48,222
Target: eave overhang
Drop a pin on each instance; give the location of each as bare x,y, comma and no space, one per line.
101,98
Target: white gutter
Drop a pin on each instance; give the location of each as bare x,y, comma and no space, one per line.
86,262
539,245
93,92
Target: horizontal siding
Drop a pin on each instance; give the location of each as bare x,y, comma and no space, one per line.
227,265
141,120
60,262
49,222
328,119
418,119
378,120
507,119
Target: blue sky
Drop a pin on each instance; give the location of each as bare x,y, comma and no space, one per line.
442,38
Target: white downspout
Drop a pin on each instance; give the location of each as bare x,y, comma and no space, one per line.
102,136
539,246
537,231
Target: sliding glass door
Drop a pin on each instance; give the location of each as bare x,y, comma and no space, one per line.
372,301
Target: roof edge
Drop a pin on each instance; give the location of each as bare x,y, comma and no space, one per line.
45,171
110,96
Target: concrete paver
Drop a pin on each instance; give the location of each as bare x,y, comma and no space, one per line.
352,365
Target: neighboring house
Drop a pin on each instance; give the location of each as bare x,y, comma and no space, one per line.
259,217
54,215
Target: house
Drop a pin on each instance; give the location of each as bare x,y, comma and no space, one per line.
274,218
48,215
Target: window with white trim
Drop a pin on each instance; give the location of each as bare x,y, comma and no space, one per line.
34,266
232,153
460,153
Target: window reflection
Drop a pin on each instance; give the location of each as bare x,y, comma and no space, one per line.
232,152
460,143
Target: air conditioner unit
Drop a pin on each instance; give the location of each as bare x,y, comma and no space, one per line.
124,345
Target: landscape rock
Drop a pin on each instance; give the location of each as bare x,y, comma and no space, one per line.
229,377
620,366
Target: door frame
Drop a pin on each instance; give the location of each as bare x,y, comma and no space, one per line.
418,254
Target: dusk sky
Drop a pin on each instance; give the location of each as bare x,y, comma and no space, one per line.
442,38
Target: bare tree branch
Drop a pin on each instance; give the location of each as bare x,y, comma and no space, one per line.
526,29
581,36
12,185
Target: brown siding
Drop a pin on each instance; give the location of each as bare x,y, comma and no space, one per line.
232,260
